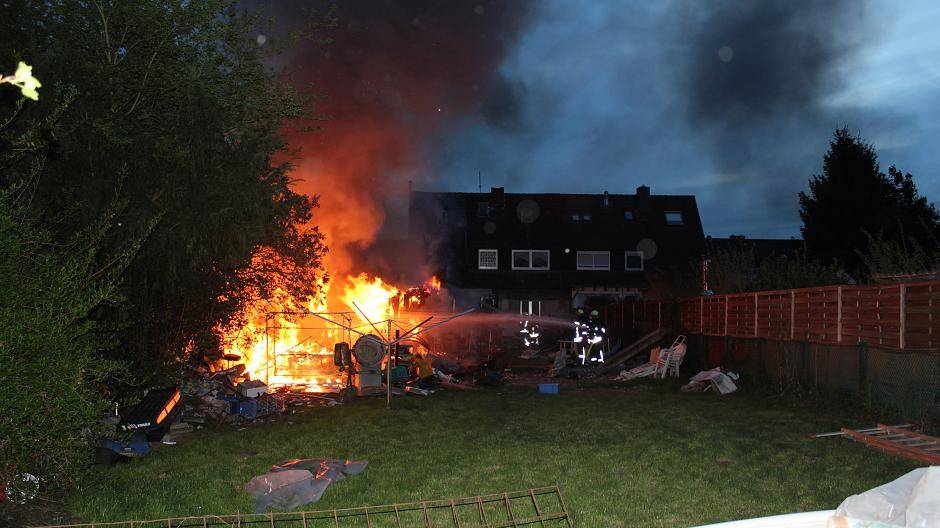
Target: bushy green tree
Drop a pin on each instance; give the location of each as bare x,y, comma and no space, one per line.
906,257
177,106
852,196
737,269
52,361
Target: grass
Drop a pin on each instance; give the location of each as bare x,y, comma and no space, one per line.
634,455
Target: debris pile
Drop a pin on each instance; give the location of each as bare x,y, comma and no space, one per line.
716,379
662,362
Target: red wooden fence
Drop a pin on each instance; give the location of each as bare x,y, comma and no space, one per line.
890,315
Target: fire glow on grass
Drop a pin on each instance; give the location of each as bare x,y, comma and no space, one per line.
278,350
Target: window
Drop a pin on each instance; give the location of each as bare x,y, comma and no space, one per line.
483,209
593,260
586,217
576,218
530,307
530,259
674,218
628,215
633,261
487,259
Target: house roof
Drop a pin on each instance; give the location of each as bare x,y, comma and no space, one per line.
762,247
617,223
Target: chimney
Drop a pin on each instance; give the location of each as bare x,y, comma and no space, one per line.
497,197
643,198
606,199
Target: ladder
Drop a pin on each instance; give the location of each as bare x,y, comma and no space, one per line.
535,507
899,442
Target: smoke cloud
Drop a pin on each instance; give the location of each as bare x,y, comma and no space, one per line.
756,77
395,72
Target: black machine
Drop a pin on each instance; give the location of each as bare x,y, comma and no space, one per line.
154,415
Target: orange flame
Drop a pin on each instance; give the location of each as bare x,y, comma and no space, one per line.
278,350
372,296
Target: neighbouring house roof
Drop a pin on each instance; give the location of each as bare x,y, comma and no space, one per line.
459,224
762,247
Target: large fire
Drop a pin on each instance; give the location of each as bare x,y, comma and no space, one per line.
296,348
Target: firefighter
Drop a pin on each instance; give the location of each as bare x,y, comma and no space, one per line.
582,334
530,338
597,334
589,334
425,371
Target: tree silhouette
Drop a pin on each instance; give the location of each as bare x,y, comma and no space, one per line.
853,197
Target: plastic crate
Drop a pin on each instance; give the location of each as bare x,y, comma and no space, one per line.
548,388
248,409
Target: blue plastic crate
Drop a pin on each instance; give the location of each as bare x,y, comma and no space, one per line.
548,388
232,403
248,409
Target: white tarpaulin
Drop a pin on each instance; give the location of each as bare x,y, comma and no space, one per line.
912,501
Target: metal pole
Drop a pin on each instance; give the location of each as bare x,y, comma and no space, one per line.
388,365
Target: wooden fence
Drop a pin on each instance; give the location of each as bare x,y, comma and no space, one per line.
901,316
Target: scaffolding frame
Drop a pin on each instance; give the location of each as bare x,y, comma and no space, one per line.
271,356
482,511
388,341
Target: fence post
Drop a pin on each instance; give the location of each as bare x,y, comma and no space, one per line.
792,311
903,292
839,317
755,314
726,315
759,374
863,371
701,315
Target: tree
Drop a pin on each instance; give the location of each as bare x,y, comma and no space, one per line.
853,197
51,348
737,269
177,108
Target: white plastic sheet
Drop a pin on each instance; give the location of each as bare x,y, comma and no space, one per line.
911,501
293,483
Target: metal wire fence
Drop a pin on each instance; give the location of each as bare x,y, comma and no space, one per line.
542,507
901,382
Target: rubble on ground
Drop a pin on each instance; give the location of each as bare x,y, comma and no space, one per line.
716,379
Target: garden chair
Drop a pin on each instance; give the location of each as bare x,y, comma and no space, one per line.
645,370
658,360
671,359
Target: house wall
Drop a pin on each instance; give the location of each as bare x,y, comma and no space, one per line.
453,227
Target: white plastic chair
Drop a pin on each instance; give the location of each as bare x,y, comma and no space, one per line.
671,359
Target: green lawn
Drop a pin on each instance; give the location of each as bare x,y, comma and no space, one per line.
624,455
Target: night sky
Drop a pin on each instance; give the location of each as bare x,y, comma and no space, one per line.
733,102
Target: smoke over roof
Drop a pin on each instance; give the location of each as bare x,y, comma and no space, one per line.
395,72
731,101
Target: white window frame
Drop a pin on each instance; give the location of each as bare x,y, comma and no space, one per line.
530,308
681,218
480,261
628,215
592,267
548,253
633,254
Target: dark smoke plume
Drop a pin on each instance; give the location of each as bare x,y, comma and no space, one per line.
755,77
396,71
